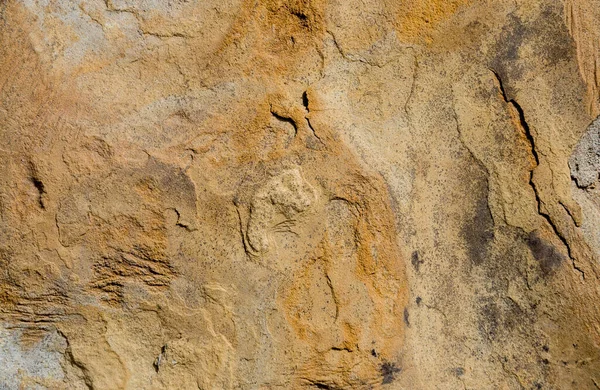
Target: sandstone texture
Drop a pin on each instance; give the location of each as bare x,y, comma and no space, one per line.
299,194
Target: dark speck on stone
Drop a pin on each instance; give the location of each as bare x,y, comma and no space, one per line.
545,253
479,231
389,371
416,261
546,348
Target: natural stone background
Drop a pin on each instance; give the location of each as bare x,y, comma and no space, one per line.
286,194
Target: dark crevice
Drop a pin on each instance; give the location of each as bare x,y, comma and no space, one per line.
555,230
180,223
521,114
341,349
305,104
305,100
575,221
313,131
34,177
321,385
530,138
160,358
285,119
39,185
302,18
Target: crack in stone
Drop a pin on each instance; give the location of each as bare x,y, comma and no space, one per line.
527,130
283,118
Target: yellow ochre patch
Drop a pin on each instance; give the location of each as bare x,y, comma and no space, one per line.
417,19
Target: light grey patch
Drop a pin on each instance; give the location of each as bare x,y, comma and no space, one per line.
585,159
40,361
90,35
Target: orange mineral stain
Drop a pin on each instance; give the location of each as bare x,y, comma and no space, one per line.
417,19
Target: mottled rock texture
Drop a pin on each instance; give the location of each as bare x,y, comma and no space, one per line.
287,194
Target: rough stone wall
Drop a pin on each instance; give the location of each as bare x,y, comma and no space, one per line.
582,19
287,194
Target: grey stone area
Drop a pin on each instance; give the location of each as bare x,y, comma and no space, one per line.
585,160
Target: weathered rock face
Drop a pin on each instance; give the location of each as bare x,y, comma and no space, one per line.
299,194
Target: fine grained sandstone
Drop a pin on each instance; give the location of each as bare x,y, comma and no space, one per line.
286,194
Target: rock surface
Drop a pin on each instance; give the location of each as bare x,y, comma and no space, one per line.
285,194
